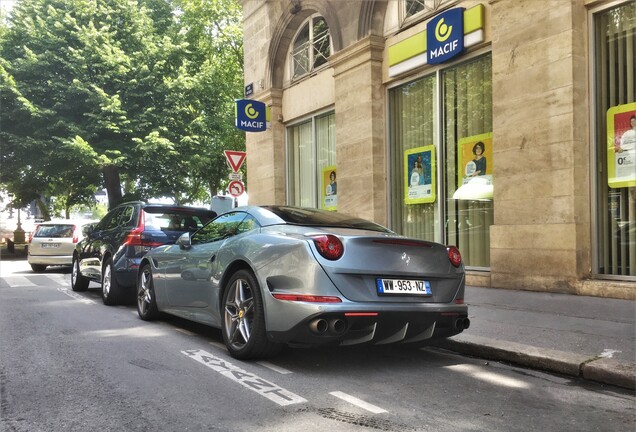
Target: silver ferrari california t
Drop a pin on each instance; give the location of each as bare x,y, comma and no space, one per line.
274,275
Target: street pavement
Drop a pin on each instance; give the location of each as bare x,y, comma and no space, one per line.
587,337
590,338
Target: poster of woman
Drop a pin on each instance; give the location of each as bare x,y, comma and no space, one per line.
621,146
474,167
419,175
329,188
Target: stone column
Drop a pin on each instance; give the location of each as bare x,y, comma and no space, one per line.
360,129
541,236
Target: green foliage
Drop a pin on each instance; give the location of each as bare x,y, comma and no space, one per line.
132,95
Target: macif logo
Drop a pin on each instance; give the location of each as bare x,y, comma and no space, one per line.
445,36
251,115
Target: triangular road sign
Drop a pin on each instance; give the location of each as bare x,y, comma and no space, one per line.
235,159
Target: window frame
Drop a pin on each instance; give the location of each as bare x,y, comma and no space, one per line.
289,168
291,69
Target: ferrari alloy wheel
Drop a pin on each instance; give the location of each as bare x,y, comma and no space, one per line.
146,303
243,319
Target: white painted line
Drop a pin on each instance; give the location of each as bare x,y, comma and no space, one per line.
219,345
265,388
358,402
16,281
609,353
184,331
275,368
76,296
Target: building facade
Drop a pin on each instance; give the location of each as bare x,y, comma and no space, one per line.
502,127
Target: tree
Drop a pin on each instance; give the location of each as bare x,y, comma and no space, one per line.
123,88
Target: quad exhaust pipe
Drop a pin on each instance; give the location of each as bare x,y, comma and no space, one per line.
462,323
331,327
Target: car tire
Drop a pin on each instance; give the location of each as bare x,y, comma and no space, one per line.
243,324
78,282
38,268
111,290
146,301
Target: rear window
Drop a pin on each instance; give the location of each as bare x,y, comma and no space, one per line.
175,221
55,231
323,218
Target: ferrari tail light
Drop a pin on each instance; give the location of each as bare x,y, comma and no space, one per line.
329,246
454,256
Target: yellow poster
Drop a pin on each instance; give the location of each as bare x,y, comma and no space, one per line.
419,175
329,188
474,167
621,146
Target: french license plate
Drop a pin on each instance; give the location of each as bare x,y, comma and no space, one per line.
403,287
50,245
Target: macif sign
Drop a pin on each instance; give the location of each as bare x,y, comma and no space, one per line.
251,115
445,36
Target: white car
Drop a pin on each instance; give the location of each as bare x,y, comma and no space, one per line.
53,243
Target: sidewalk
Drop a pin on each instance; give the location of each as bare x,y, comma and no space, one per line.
588,337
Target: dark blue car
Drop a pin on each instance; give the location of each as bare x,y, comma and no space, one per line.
112,249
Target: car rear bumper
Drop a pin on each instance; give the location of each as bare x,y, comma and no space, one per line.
378,327
50,259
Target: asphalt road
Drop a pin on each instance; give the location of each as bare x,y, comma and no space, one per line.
69,363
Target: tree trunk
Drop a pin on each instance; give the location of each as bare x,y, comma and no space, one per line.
44,209
113,185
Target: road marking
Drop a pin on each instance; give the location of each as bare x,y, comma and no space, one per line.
265,388
275,368
184,331
609,353
16,281
358,402
76,296
219,345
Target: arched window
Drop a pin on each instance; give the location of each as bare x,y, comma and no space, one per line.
421,8
311,47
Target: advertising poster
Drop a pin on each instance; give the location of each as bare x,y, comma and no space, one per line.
621,146
329,188
474,167
419,175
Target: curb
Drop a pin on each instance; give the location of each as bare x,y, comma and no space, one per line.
598,369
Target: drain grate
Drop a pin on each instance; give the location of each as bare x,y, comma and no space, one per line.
359,420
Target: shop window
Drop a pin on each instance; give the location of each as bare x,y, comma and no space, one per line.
311,148
448,143
311,47
615,139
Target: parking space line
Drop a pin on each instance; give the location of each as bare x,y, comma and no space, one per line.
247,379
275,368
358,402
76,296
184,331
16,281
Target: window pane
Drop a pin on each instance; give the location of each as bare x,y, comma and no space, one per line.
321,42
615,67
412,125
467,105
300,52
414,6
302,165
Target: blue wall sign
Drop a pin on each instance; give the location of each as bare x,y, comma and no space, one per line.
249,90
445,36
251,115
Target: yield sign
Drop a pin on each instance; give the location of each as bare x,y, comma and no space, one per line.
235,159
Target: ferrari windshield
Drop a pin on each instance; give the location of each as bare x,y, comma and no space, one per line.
323,218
